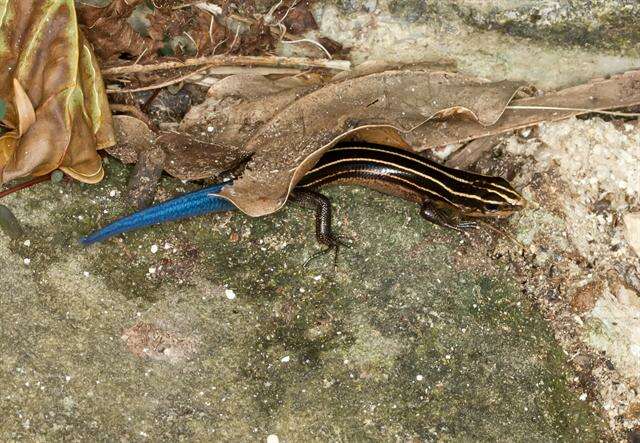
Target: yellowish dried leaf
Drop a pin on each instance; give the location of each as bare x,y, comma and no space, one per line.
56,104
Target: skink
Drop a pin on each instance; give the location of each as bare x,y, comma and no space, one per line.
447,196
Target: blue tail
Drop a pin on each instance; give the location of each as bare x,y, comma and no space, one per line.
184,206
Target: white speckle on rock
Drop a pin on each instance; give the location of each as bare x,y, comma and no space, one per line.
27,261
273,438
419,377
154,249
152,270
285,359
85,273
229,294
27,243
583,396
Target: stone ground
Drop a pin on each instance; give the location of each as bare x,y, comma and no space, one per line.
221,333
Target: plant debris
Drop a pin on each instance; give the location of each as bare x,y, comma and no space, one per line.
144,179
57,113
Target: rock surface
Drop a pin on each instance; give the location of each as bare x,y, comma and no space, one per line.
420,333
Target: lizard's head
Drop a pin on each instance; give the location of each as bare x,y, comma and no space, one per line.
492,197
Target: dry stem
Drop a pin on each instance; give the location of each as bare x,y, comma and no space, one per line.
232,60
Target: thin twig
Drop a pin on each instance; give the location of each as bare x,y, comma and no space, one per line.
27,184
132,111
307,40
160,85
213,20
291,6
272,10
211,76
235,39
141,55
232,60
553,108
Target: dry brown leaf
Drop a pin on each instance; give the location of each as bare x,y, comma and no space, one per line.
619,91
58,78
132,136
187,157
237,106
110,33
295,138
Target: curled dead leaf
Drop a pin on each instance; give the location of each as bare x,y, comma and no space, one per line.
286,147
56,104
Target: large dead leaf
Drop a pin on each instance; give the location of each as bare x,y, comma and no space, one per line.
213,136
289,144
618,91
186,156
284,147
57,110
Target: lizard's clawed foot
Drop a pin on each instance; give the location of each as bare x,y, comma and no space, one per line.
333,243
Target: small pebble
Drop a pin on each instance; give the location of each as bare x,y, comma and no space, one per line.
273,438
154,249
229,294
57,176
583,396
152,270
285,359
27,261
419,377
27,243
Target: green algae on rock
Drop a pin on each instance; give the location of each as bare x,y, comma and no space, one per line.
419,334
